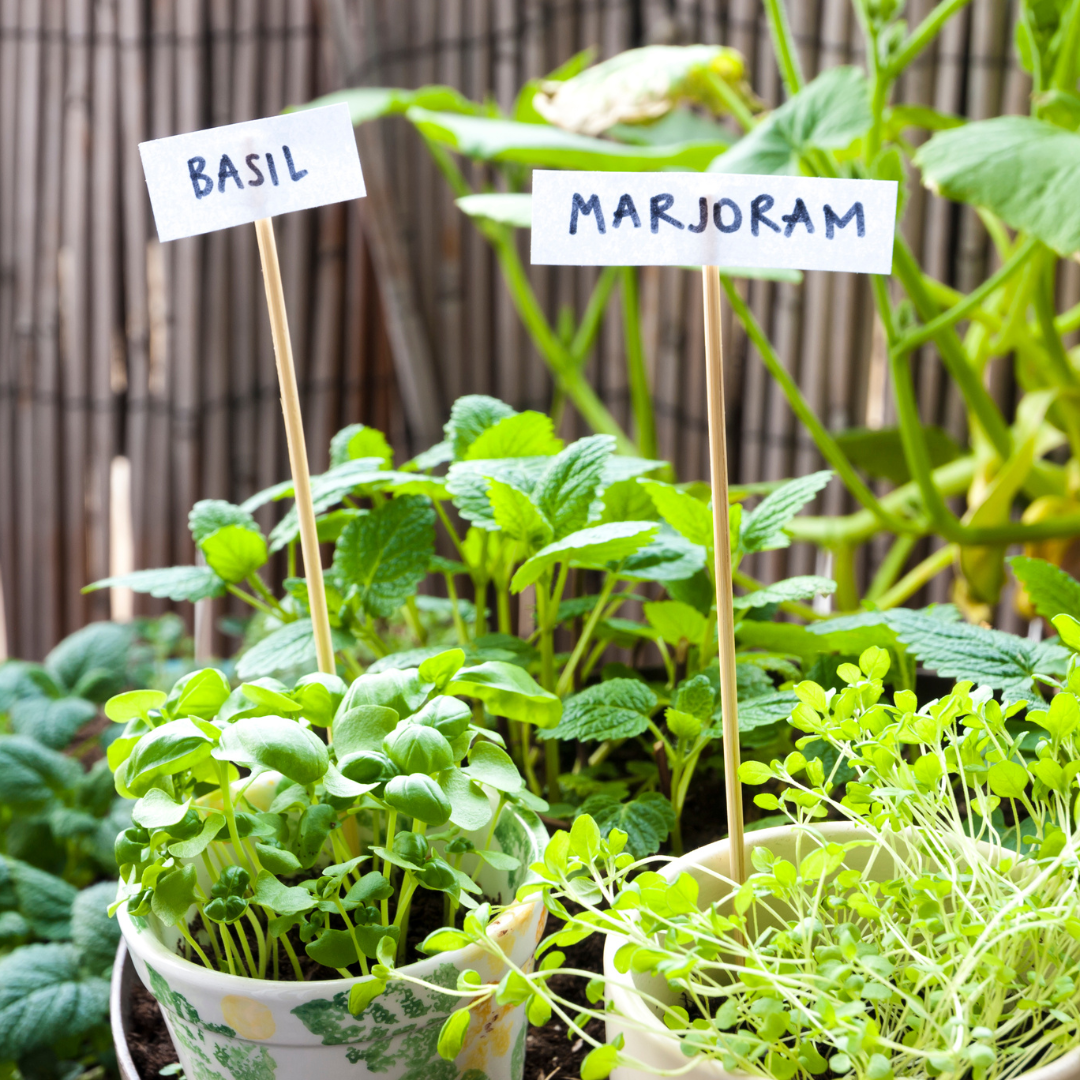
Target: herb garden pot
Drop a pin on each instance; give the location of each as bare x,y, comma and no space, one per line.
647,1039
230,1028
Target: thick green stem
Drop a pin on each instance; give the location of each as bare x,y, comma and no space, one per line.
891,565
918,576
589,327
546,623
230,818
787,54
636,373
459,622
924,33
566,680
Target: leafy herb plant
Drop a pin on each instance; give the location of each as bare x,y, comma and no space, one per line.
248,825
942,937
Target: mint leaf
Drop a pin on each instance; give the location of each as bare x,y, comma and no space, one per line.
45,997
169,583
626,500
675,621
470,416
567,487
93,932
688,516
52,721
646,820
234,552
761,711
828,114
290,647
616,709
384,555
668,557
794,588
762,528
595,547
209,515
31,774
526,434
359,441
467,484
517,515
1050,589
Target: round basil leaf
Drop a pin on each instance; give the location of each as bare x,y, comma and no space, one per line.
419,797
275,743
416,749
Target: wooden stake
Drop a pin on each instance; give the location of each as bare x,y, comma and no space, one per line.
725,615
294,431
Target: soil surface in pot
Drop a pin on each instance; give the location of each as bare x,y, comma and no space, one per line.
549,1054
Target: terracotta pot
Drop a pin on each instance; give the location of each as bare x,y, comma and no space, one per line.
661,1051
230,1028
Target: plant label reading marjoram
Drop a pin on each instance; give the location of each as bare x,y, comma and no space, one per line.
225,176
712,219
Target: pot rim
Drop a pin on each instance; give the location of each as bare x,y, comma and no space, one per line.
1066,1067
148,946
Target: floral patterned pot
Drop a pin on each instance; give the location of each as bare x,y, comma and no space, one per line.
230,1028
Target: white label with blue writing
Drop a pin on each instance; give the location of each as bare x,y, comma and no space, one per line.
224,176
712,219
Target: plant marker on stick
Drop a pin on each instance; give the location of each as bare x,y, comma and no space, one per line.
250,172
715,221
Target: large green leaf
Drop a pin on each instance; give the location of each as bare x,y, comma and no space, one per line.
880,452
359,441
1050,589
93,932
384,555
518,516
289,647
92,662
31,774
507,690
169,583
274,742
685,514
169,749
675,622
470,416
209,515
646,820
801,587
668,557
467,483
828,114
1025,170
505,207
45,997
763,528
52,721
615,709
595,547
567,487
546,147
234,552
43,899
526,434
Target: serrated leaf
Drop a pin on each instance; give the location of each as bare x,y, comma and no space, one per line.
595,547
1050,589
795,588
675,621
289,647
567,487
761,711
97,653
646,820
525,434
615,709
384,555
688,516
45,998
234,552
359,441
31,774
668,557
1024,170
209,515
626,500
43,899
467,484
517,515
827,114
762,529
53,722
169,583
470,416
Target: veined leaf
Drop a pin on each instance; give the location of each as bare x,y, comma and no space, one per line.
467,483
470,416
762,529
685,514
209,515
1051,590
92,662
668,557
234,552
169,583
615,709
507,690
384,555
646,820
51,721
595,546
273,742
794,588
31,774
517,515
285,649
359,441
1024,170
626,500
93,932
829,113
675,621
567,487
525,434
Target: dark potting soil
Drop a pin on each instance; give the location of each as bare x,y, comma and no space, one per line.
549,1054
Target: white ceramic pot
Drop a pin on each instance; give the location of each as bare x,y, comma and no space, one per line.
660,1051
230,1028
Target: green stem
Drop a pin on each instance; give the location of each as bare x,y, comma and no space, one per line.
450,531
787,54
459,622
230,818
566,680
638,376
847,589
248,956
260,937
918,576
412,617
730,100
387,867
891,565
828,446
589,327
231,951
924,33
1043,301
544,603
259,586
1068,59
194,944
258,605
291,953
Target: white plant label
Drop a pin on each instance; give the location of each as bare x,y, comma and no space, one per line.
712,219
225,176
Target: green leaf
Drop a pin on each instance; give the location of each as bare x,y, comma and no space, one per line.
169,749
363,993
470,416
134,705
504,208
174,893
319,696
517,515
420,797
209,515
467,483
549,147
755,772
401,690
685,514
669,558
156,810
793,588
53,722
595,546
46,998
1069,630
234,552
493,766
880,452
200,693
452,1034
92,662
269,892
1007,779
626,500
440,668
93,932
359,441
470,807
646,820
675,621
1024,170
762,529
526,434
274,742
286,649
363,727
384,555
414,748
191,849
567,487
45,901
508,690
615,709
829,113
31,775
169,583
763,710
1050,589
371,102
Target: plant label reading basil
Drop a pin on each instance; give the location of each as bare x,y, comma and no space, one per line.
225,176
712,219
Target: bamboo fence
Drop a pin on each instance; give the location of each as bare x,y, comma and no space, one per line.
113,346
